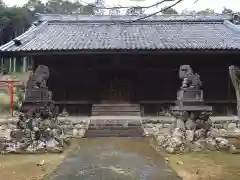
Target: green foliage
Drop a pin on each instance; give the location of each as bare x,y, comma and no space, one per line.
227,11
135,11
170,11
19,98
206,12
8,14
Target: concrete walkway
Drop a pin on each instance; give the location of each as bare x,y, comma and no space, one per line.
114,158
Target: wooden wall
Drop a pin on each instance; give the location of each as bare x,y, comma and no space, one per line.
154,77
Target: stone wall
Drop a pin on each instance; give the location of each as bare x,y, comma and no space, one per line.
71,127
74,127
222,125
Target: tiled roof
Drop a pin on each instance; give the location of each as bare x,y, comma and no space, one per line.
57,35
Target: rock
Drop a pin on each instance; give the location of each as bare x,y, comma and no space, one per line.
166,159
232,126
41,163
178,133
180,124
169,150
180,162
222,143
159,126
5,134
75,132
210,144
220,139
40,146
189,135
68,131
50,144
190,124
81,132
197,146
237,131
222,132
213,132
11,148
146,133
174,143
79,126
160,139
200,134
150,125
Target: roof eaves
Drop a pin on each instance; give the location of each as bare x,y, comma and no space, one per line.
26,34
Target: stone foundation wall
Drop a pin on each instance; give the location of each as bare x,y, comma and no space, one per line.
222,126
76,127
71,127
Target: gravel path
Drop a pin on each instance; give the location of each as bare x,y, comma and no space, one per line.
114,159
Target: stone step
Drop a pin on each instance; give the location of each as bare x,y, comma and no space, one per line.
114,133
116,105
114,128
116,110
116,113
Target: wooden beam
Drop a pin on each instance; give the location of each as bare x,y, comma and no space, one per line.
73,102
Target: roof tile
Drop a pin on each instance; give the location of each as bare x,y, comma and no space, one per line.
144,35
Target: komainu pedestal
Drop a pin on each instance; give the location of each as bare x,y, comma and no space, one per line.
192,126
190,103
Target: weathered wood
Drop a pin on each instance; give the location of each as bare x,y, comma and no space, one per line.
234,72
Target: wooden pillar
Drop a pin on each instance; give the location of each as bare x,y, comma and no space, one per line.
10,64
24,68
2,62
14,64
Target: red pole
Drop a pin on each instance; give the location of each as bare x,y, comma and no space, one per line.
11,98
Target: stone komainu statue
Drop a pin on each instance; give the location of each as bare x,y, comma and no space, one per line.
39,78
190,80
37,85
38,98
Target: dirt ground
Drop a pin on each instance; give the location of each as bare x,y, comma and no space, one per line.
196,166
207,166
25,166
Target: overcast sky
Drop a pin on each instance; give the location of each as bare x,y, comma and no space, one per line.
216,5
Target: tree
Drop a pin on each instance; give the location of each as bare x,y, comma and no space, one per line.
114,11
188,12
2,5
35,6
135,11
234,73
87,9
169,11
227,11
206,12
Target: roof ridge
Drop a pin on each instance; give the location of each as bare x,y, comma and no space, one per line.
133,23
77,17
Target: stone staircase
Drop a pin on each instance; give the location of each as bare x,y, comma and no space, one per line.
116,110
114,126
